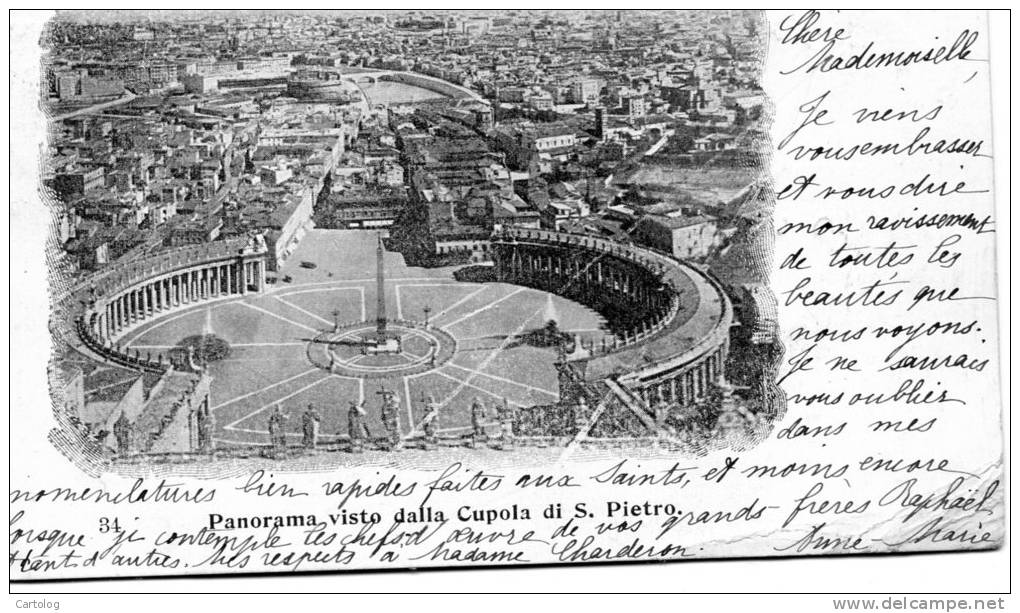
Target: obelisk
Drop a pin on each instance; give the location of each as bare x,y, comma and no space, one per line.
380,294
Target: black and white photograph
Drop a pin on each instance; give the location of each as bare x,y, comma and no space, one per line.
297,292
435,247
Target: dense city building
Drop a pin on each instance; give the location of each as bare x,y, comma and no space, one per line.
191,159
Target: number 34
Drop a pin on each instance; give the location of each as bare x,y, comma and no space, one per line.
107,524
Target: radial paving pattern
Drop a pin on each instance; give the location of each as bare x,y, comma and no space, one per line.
282,342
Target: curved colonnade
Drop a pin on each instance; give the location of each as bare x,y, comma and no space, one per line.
670,322
127,296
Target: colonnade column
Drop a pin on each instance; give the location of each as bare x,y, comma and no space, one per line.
260,267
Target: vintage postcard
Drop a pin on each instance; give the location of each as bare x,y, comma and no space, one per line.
378,289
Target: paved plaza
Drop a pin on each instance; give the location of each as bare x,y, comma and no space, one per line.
277,347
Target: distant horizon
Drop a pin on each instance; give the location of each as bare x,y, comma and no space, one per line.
114,16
